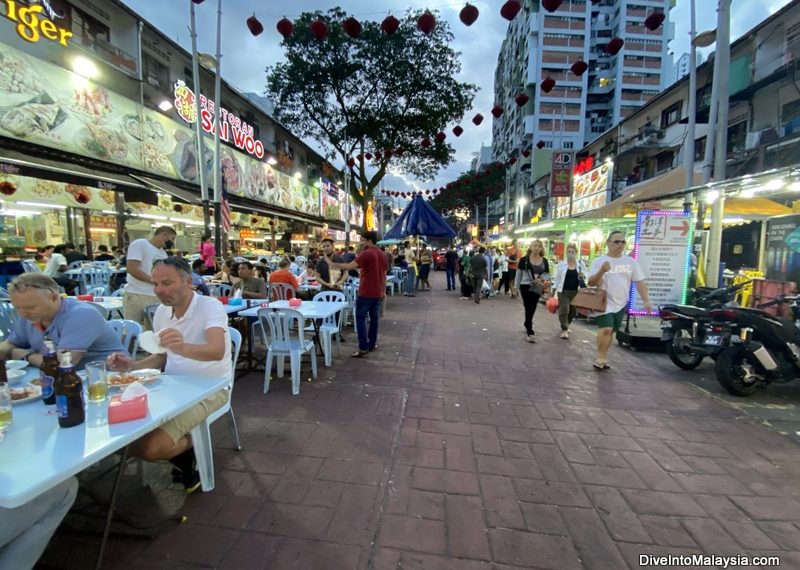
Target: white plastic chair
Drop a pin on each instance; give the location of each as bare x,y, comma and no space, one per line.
332,325
280,292
286,338
8,318
75,265
150,312
350,293
201,434
30,266
97,291
128,332
219,289
119,292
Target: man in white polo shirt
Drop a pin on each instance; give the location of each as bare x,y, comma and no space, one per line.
194,331
142,253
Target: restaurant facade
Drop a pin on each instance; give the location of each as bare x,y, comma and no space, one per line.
98,144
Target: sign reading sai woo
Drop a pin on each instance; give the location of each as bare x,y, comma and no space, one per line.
31,26
232,128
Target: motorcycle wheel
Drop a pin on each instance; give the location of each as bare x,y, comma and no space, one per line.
730,372
678,354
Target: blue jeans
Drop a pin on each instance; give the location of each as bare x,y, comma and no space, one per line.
410,279
364,306
451,278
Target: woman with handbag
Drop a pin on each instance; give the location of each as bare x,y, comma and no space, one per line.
570,276
532,279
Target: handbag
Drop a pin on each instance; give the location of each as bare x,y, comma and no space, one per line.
591,298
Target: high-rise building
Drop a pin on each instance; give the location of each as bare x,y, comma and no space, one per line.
542,45
681,68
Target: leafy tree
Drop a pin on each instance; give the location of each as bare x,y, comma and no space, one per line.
470,189
375,92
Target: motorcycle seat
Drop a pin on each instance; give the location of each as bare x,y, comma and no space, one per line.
690,311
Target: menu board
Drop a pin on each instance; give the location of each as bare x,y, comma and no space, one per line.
29,189
331,198
48,105
589,191
663,249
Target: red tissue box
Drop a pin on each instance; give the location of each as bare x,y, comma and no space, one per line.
119,411
295,302
85,297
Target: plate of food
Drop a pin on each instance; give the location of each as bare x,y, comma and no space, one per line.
123,379
25,394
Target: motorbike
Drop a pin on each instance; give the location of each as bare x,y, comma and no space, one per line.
763,348
684,328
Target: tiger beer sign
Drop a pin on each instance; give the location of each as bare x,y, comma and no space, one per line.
35,21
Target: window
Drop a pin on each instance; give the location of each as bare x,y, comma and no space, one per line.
85,29
671,114
567,145
700,149
155,72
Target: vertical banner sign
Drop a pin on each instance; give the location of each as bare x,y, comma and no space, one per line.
663,248
561,174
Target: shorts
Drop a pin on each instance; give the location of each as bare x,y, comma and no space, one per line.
134,304
611,320
186,421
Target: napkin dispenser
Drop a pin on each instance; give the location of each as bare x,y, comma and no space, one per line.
134,409
295,302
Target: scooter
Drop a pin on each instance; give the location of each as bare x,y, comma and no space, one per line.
763,348
684,327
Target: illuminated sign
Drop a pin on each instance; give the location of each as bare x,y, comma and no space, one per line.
31,27
232,128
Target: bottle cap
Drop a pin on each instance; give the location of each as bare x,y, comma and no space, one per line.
65,358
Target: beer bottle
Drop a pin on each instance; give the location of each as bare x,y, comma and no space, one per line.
49,373
69,393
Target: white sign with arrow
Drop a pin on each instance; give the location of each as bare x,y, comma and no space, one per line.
663,249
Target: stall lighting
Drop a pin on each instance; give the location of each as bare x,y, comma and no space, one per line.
712,196
85,67
271,161
794,186
298,175
165,105
775,184
14,212
522,202
102,230
187,221
152,217
42,205
749,193
112,212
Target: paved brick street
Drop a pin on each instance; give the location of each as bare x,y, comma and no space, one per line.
457,445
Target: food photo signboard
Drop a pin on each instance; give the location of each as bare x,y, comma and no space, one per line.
663,248
331,201
50,106
590,188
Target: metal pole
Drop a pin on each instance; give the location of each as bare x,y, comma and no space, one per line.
347,208
487,215
721,140
688,144
506,213
217,156
201,166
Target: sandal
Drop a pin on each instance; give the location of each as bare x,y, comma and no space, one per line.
600,365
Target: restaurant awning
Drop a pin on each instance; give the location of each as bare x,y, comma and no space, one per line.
167,188
646,191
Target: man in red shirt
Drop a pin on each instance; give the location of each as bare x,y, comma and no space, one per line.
373,267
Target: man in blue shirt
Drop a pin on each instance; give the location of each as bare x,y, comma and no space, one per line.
69,323
450,259
199,284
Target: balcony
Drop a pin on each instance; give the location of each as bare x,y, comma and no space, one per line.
107,52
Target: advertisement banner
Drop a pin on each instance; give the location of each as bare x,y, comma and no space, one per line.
663,248
561,174
590,190
50,106
783,248
331,201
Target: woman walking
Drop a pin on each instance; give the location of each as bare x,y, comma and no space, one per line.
425,260
533,276
570,275
208,254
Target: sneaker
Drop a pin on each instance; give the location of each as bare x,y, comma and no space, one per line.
569,331
191,482
565,334
531,338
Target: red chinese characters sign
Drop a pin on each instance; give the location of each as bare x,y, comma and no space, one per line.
561,174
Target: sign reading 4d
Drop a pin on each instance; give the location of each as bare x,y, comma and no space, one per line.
31,27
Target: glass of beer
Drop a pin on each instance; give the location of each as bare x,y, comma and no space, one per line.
97,384
6,415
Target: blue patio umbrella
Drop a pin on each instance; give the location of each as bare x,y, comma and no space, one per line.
419,219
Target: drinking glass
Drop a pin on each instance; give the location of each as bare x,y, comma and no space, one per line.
6,415
97,385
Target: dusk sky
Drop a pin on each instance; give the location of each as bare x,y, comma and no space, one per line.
245,57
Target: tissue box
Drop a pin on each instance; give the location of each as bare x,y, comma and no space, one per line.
295,302
235,301
119,411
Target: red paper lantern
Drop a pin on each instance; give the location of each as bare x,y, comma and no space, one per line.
351,162
614,46
457,130
198,1
426,23
390,25
468,14
368,156
510,9
360,157
399,151
255,27
319,29
378,155
285,27
654,20
551,5
351,27
425,143
521,99
7,188
477,119
440,136
497,111
387,153
547,84
512,160
526,153
254,220
579,67
540,144
177,207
